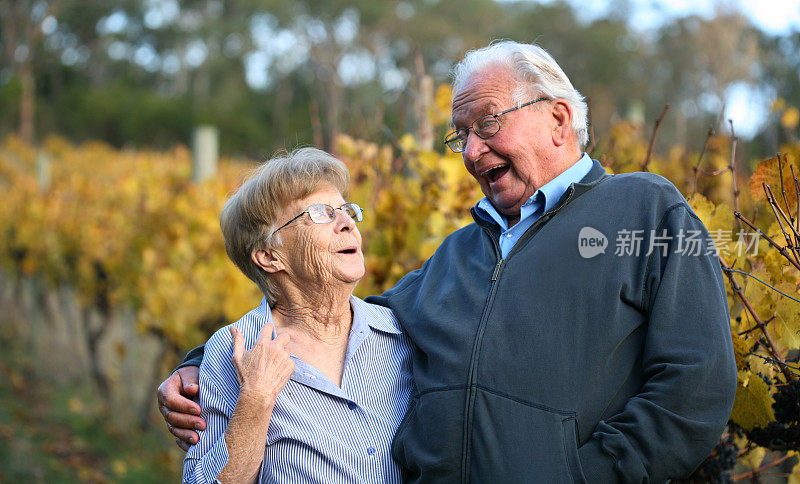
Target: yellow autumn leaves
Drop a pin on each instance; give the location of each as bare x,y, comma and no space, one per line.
129,229
124,229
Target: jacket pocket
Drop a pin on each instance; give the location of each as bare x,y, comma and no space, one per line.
569,426
429,439
512,440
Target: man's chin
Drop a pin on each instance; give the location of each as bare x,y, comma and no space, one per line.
507,208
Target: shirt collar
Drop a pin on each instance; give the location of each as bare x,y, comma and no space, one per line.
551,192
376,317
555,188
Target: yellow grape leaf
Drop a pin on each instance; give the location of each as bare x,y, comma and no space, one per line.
787,314
740,351
722,220
408,142
702,207
759,294
753,404
794,477
429,159
443,97
762,366
790,118
436,223
440,112
428,247
453,168
768,172
718,219
345,146
754,458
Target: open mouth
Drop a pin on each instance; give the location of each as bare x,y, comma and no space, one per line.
495,173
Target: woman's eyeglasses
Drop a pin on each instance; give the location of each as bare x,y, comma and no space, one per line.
322,213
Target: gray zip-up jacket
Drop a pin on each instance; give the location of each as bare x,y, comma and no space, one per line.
548,366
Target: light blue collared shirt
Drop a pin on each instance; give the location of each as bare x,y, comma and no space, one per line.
319,432
540,202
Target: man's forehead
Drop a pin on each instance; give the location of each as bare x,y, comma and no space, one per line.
468,113
483,93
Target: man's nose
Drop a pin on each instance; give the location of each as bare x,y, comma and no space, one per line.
474,147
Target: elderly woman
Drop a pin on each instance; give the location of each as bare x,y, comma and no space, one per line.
311,385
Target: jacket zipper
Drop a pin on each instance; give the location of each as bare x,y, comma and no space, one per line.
496,270
467,431
466,447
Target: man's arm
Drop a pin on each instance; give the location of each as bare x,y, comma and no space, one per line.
239,390
174,400
671,425
193,357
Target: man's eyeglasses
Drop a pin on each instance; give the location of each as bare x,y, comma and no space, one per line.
485,127
321,213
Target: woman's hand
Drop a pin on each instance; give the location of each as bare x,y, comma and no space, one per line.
263,370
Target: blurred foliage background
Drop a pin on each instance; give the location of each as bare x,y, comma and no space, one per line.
111,259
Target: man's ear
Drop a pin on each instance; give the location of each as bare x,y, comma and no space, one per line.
562,121
267,260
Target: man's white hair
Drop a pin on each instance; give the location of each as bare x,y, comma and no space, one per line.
537,74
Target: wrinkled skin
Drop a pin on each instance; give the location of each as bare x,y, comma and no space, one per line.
529,145
310,255
179,411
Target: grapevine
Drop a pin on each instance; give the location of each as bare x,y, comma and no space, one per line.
130,230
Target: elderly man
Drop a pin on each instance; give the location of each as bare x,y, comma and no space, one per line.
539,355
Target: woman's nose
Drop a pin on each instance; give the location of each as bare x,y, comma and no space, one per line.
343,221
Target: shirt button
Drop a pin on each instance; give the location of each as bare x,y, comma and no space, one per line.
351,405
371,451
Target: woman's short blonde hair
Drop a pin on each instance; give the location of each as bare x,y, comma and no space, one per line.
250,215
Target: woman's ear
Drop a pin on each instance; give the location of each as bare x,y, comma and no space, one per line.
562,121
267,260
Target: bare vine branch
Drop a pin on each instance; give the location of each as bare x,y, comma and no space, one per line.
770,344
797,198
755,472
773,204
783,190
766,237
653,137
732,166
696,168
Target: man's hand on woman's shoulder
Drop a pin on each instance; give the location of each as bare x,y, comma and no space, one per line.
179,411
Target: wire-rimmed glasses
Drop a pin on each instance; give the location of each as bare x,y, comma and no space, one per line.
485,127
322,213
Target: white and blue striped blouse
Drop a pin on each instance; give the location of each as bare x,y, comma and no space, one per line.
318,432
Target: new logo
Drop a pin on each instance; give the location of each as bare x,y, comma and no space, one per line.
591,242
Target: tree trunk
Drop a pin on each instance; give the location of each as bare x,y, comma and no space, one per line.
334,105
423,100
27,103
316,124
